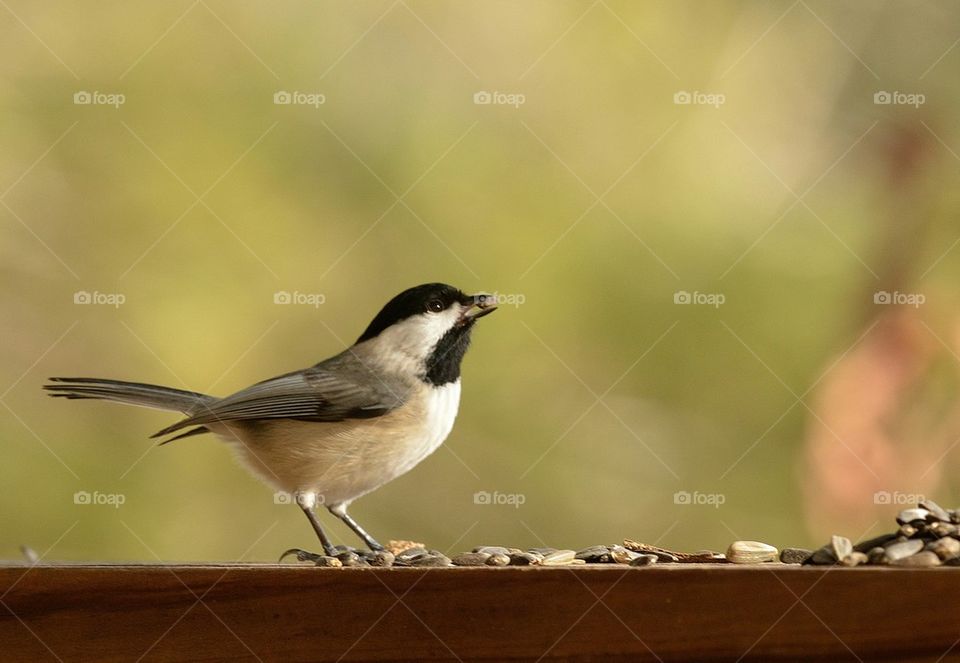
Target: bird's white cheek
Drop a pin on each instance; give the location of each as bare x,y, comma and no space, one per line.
418,335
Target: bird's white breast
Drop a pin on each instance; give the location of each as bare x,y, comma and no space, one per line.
441,406
341,461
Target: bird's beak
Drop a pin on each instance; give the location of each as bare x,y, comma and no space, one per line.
478,306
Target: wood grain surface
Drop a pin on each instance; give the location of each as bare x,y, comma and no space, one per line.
299,613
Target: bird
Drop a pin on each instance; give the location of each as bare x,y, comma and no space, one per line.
331,433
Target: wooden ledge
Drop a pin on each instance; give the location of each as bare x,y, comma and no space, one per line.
124,612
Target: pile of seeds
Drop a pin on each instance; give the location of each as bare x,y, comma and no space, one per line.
928,535
406,553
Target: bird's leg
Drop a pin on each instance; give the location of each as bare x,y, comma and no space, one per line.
340,511
324,539
306,502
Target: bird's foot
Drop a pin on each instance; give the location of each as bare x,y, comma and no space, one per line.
343,556
320,559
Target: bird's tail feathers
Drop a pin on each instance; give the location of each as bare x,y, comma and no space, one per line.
131,393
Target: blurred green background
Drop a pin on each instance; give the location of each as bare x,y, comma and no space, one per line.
811,179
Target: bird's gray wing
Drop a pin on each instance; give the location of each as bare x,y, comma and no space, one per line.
340,388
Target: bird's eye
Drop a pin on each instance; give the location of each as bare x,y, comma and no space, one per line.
435,305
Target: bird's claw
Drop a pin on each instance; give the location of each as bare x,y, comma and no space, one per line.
303,555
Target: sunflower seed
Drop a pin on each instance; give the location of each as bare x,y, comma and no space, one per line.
942,529
751,552
877,556
903,549
795,555
410,553
498,559
430,559
471,559
664,556
523,559
643,560
595,555
559,558
621,555
945,548
925,558
854,559
912,516
936,511
841,546
380,558
823,556
907,530
869,544
350,558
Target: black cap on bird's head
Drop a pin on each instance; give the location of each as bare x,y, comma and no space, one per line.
431,322
426,299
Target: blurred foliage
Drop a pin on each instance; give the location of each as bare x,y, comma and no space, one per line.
597,199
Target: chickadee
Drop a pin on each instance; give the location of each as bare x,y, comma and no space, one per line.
338,430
